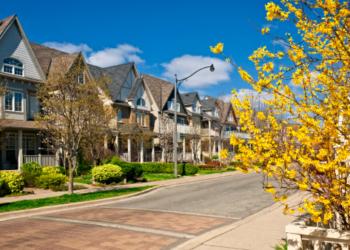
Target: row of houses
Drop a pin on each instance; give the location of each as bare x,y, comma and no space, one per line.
139,98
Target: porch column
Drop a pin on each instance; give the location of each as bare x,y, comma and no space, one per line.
57,156
152,149
20,149
141,155
184,148
117,144
192,155
199,150
214,147
219,151
163,152
209,138
105,142
129,149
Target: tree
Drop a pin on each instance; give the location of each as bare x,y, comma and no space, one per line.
315,156
74,108
166,136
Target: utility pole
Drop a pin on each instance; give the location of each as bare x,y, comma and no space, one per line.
175,129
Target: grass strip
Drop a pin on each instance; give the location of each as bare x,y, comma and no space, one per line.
201,171
66,198
82,181
158,177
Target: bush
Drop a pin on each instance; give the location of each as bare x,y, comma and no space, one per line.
215,157
236,163
107,161
30,178
137,169
50,170
62,170
152,167
144,179
107,173
206,159
231,168
83,167
115,160
31,167
48,181
190,169
11,182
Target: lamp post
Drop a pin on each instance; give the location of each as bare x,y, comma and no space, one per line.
175,113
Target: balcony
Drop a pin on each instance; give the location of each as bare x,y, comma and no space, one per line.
212,132
241,135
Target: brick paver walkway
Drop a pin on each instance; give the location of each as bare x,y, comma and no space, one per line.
159,220
45,235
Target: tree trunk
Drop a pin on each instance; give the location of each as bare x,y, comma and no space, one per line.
71,176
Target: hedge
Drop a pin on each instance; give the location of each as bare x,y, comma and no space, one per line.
31,167
236,163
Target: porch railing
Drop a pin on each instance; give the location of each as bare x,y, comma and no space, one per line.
213,132
43,160
227,135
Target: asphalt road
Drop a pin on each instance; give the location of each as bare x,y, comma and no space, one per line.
236,196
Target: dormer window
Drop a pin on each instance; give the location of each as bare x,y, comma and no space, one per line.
171,105
215,112
141,102
13,66
229,118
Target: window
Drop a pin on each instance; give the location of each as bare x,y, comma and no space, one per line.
181,120
13,101
13,66
229,118
141,102
141,119
172,104
28,142
119,115
194,108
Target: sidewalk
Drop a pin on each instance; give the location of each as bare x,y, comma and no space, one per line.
171,182
261,231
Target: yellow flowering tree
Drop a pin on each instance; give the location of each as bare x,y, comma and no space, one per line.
309,149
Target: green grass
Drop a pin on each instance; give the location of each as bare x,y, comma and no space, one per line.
82,181
66,198
158,177
201,171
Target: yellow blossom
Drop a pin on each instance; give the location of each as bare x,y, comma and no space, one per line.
218,48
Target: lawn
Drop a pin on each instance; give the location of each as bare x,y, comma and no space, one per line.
66,198
200,171
158,177
83,179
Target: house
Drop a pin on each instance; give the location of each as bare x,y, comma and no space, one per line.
132,98
22,71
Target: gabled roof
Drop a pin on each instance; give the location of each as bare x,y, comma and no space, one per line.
190,98
134,89
45,54
117,74
158,87
62,61
208,104
4,23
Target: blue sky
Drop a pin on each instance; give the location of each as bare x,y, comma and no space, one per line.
162,37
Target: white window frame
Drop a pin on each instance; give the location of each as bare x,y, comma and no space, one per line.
13,101
229,118
12,66
171,105
141,119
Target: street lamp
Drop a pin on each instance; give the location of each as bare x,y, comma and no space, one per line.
175,113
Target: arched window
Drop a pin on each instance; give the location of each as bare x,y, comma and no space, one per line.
141,102
13,66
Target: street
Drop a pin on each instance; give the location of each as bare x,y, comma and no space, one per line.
162,219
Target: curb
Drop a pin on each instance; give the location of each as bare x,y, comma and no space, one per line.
195,242
51,209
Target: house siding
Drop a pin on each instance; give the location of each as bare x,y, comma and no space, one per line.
12,45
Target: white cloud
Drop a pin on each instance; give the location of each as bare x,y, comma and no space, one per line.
107,57
257,97
187,64
269,25
69,47
284,45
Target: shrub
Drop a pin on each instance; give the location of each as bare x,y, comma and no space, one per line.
112,183
144,179
131,182
115,160
138,169
48,181
231,168
31,167
61,169
190,169
215,157
236,163
107,161
29,178
206,159
12,182
121,182
152,167
83,167
50,170
107,173
3,190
